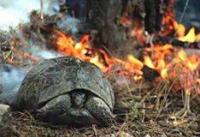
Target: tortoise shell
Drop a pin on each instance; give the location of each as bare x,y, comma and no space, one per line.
58,76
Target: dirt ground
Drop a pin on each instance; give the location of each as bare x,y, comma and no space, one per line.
141,111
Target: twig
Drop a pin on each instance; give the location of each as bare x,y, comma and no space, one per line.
41,10
184,10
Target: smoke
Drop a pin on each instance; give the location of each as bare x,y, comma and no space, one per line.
14,12
10,82
69,24
11,77
43,53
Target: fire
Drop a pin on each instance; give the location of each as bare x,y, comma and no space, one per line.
162,58
189,37
191,62
169,22
131,59
83,50
159,60
171,25
180,29
149,62
65,43
165,58
159,57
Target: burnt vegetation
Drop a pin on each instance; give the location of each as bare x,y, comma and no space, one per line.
145,53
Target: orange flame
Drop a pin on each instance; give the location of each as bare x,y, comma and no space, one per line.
161,58
82,50
158,59
189,37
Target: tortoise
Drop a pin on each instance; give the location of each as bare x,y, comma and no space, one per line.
66,90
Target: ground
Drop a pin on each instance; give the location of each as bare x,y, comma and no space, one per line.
148,113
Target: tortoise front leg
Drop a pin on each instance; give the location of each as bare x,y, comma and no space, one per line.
53,108
100,110
60,110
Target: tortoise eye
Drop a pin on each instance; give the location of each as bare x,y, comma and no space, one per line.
5,48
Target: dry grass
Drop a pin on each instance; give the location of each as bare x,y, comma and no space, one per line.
149,114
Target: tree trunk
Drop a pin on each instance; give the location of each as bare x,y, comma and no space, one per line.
153,15
104,19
